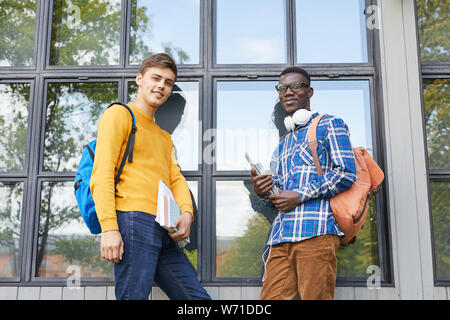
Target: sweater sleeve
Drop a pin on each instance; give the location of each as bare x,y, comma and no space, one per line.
179,186
113,130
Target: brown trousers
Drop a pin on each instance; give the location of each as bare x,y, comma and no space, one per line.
307,268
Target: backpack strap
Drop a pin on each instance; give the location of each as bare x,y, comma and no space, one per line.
313,144
130,144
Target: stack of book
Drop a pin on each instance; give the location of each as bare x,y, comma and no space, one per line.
168,210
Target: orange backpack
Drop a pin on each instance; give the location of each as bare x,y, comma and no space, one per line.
350,207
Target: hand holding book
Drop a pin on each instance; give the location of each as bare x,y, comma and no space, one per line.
169,215
262,181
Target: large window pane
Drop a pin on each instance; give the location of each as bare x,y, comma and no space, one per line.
251,31
73,110
14,99
241,230
433,22
436,97
259,125
17,28
10,213
330,31
179,117
440,204
354,259
165,26
349,100
85,32
65,244
245,123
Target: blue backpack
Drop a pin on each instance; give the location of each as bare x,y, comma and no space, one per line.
83,177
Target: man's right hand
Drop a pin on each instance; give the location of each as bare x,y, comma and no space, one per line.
262,183
111,245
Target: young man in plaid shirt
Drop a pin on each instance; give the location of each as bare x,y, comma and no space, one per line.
305,236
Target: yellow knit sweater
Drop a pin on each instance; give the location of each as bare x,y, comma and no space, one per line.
153,160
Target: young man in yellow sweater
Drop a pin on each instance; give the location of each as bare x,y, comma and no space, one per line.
142,251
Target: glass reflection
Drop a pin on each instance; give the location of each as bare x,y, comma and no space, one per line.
440,204
253,33
179,117
10,213
432,17
191,250
85,32
63,239
245,123
259,125
15,98
436,97
73,110
259,109
354,259
172,27
17,28
241,231
330,31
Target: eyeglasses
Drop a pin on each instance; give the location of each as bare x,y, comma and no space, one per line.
295,87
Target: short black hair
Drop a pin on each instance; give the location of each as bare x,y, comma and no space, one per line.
297,70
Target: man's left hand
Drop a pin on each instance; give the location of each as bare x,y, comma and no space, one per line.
285,200
183,225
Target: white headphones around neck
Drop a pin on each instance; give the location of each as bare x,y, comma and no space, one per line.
299,118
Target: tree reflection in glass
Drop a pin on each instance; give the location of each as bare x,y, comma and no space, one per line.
10,213
433,25
440,205
165,26
436,97
14,97
241,231
17,28
73,110
63,238
85,32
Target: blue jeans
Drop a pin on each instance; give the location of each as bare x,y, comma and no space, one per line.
150,255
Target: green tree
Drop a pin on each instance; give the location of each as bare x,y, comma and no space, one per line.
437,121
83,33
139,49
436,98
10,213
244,258
13,137
440,206
354,259
17,25
434,26
13,127
83,251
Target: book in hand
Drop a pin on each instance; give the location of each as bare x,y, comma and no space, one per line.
168,210
259,170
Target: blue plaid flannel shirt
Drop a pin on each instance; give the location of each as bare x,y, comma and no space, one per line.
293,169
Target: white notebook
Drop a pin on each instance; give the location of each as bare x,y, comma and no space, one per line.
168,210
